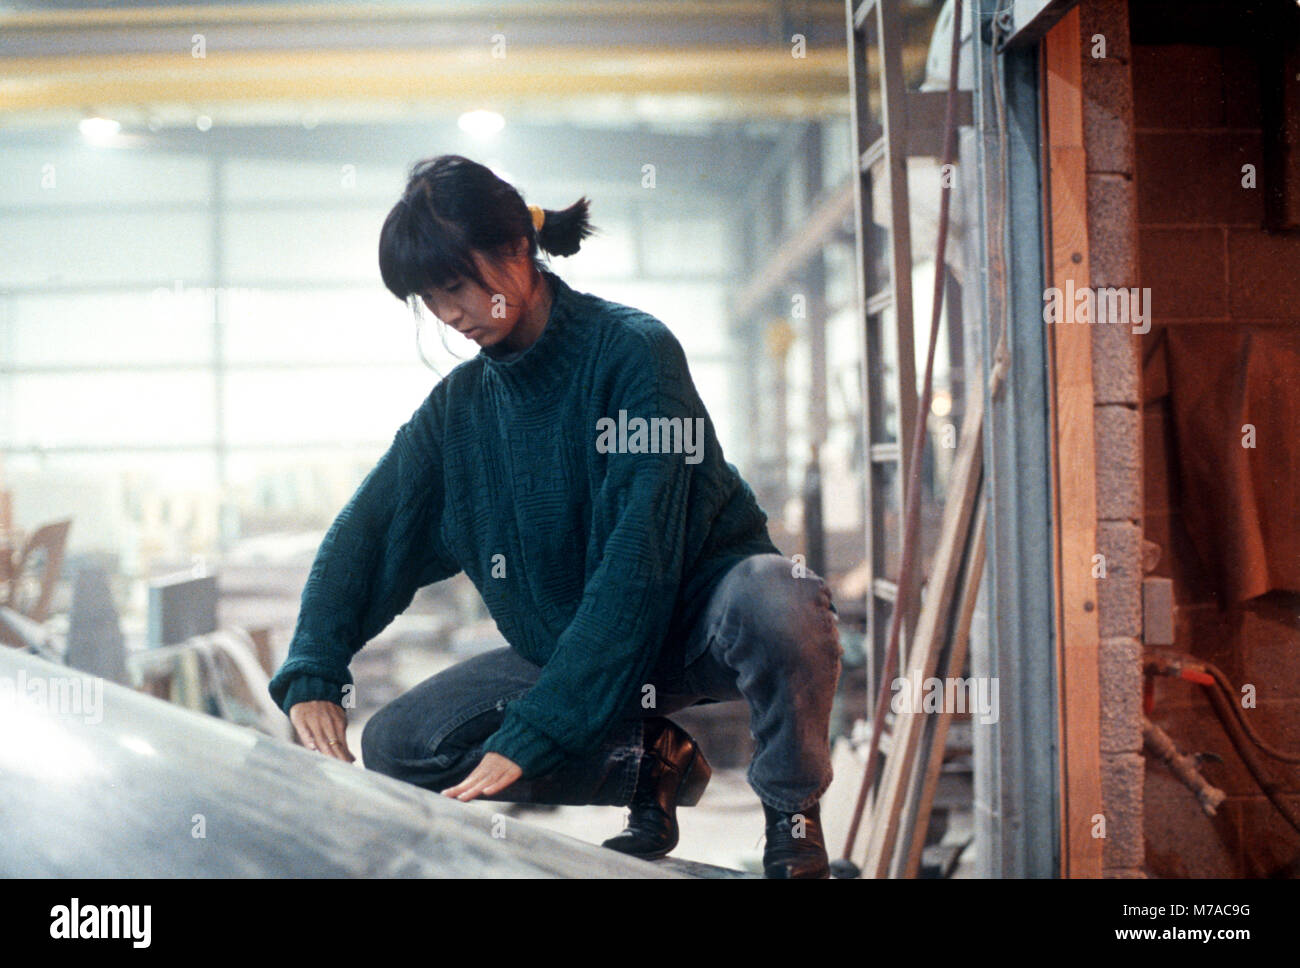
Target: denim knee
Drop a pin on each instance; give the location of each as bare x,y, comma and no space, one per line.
391,741
384,742
790,606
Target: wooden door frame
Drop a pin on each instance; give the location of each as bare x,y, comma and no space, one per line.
1074,465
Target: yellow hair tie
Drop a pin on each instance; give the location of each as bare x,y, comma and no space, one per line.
539,216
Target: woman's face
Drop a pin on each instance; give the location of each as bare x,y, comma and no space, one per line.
487,316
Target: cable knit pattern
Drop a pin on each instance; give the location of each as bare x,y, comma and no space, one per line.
593,564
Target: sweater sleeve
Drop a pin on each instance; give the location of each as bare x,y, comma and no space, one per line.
382,547
603,657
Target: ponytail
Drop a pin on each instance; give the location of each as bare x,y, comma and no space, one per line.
562,231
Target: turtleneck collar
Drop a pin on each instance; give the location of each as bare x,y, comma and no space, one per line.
545,364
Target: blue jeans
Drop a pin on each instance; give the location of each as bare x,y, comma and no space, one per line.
768,635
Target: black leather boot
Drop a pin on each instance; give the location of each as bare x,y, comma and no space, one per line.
673,773
786,855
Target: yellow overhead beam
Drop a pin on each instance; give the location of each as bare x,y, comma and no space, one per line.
459,76
374,12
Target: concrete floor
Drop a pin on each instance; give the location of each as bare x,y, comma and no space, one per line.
724,829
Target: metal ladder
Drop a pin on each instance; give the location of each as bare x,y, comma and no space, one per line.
889,125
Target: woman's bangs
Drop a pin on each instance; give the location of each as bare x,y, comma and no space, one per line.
411,262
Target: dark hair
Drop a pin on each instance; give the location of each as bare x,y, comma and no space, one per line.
453,206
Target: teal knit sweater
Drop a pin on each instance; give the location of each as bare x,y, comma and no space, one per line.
593,539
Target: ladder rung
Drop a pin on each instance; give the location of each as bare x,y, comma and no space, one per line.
874,153
880,301
884,588
882,453
860,14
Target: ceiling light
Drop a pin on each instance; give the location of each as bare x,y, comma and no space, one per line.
99,130
481,124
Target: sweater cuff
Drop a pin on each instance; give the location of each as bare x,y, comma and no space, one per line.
311,689
531,750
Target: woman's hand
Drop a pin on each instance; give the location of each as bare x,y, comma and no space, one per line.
492,775
322,726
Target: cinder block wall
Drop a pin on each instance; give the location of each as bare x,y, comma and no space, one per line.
1112,254
1210,263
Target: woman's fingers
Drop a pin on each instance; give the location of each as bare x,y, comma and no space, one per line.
459,789
470,787
498,782
315,740
335,733
302,723
492,775
322,726
336,745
